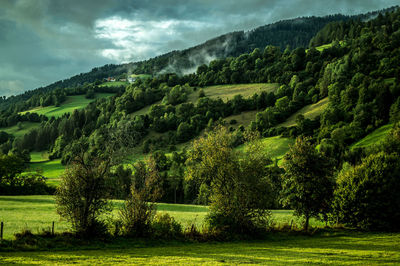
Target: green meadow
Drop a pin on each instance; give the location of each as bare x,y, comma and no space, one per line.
324,247
19,131
227,92
72,103
350,248
52,169
38,212
309,111
374,137
114,84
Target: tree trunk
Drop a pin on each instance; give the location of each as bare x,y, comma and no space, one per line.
307,222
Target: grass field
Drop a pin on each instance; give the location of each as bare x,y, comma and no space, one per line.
16,132
350,248
114,83
51,169
243,118
38,212
72,103
226,92
373,138
275,146
38,157
309,111
329,247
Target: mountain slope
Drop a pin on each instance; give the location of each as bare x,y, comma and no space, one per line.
294,33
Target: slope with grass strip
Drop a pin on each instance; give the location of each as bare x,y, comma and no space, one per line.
72,103
227,92
373,138
310,111
17,131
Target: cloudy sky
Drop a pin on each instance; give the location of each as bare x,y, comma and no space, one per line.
42,41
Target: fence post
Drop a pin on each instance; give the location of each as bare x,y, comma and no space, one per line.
52,229
1,233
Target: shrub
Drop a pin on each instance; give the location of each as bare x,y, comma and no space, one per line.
139,209
238,182
165,226
367,194
81,197
136,216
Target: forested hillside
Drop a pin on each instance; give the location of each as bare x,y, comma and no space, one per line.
293,33
358,73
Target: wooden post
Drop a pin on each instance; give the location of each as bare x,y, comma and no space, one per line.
1,233
52,229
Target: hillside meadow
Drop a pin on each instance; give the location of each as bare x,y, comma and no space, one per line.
374,137
310,111
20,130
227,92
70,104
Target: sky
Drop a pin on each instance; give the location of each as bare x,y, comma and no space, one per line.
43,41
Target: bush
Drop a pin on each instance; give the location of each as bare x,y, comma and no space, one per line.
81,197
238,181
139,209
136,216
367,195
165,226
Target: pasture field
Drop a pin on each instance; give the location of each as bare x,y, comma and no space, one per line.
51,169
324,247
72,103
37,157
17,132
114,83
227,92
38,212
309,111
275,146
341,248
244,118
374,137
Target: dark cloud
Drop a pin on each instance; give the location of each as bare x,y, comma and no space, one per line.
42,41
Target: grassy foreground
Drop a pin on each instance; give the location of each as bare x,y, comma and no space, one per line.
325,247
280,249
38,212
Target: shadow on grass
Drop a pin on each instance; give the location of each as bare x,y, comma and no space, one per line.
350,247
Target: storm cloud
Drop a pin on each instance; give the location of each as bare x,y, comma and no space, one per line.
42,41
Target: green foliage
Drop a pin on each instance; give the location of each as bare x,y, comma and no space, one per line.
307,184
82,195
367,194
238,182
138,211
164,226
